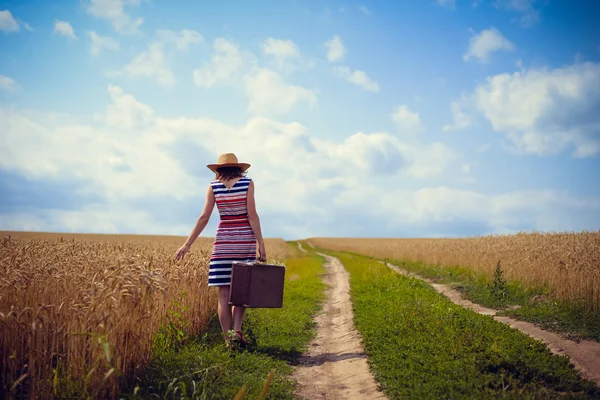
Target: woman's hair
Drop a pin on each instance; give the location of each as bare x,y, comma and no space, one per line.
226,173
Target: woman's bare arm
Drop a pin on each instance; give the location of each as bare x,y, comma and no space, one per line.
255,221
202,221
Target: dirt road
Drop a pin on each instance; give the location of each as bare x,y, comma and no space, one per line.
335,366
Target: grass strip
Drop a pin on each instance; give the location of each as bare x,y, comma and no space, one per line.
421,345
203,368
534,305
515,300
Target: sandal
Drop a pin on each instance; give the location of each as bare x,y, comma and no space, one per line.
241,337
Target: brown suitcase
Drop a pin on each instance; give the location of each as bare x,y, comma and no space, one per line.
256,285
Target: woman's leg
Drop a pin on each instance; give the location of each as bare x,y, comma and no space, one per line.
224,309
238,316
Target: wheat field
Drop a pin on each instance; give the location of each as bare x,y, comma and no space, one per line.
567,263
78,309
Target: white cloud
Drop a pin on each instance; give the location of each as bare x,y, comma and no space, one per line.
430,161
102,42
357,77
125,111
126,155
182,39
486,42
306,185
408,122
503,213
8,84
109,158
285,55
269,94
65,29
461,119
151,64
543,111
7,22
335,49
365,10
280,48
226,61
154,62
112,218
113,11
529,15
451,4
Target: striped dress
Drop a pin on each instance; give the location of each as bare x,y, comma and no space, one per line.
235,240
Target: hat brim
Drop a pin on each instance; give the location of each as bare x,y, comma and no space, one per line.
243,166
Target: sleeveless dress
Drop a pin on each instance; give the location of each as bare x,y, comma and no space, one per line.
235,239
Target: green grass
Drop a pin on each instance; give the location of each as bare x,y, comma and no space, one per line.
534,305
421,345
203,368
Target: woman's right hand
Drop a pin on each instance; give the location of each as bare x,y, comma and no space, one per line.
181,252
262,253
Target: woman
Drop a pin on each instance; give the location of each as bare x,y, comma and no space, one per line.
237,234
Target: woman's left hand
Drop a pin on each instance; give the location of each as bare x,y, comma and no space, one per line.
262,253
181,252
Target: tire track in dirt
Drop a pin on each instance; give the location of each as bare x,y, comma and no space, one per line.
335,366
584,355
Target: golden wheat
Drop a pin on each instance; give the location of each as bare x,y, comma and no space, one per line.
75,307
567,263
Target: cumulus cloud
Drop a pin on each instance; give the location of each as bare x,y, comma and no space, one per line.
108,158
541,111
225,63
127,155
114,12
130,161
541,210
154,61
280,48
357,77
102,42
151,63
285,55
65,29
335,49
529,15
268,93
7,22
182,39
113,218
408,122
483,44
461,118
8,84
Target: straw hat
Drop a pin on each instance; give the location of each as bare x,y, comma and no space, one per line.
228,160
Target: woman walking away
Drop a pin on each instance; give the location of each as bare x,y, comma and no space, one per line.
237,234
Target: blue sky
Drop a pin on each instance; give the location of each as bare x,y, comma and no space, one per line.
387,119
